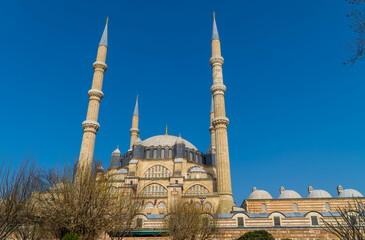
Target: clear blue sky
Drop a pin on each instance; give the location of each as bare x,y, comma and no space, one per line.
296,113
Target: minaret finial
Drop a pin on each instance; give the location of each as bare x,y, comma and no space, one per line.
136,110
179,135
118,147
104,37
215,29
166,130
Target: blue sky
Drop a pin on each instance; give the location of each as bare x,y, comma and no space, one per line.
296,113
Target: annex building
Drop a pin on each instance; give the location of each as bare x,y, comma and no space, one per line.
165,169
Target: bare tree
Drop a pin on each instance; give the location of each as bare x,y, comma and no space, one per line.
16,186
348,223
86,204
187,221
357,19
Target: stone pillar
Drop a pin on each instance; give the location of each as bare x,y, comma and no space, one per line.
220,123
91,125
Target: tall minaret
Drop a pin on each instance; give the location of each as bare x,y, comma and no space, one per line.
134,130
211,128
220,123
91,125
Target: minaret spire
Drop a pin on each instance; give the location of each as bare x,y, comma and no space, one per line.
220,123
136,111
91,125
215,29
135,120
104,37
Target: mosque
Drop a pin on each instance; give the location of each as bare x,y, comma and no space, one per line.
165,169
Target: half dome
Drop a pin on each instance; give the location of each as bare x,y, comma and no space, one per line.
165,140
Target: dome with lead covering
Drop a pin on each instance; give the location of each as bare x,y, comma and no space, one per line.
348,193
288,194
166,141
318,193
259,194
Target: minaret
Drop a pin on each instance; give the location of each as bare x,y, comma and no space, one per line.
91,125
211,128
134,130
220,123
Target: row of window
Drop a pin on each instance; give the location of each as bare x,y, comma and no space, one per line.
164,153
295,207
197,189
159,190
277,221
157,171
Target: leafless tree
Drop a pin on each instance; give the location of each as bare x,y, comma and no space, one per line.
187,221
357,24
16,186
348,223
86,204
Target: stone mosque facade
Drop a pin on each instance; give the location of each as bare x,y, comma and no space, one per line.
165,169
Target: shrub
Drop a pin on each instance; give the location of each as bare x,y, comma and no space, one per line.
256,235
71,236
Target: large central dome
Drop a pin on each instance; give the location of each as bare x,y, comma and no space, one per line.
165,140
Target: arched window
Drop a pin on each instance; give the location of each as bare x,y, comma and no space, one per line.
197,205
147,154
263,206
161,205
154,153
197,190
157,171
170,153
295,207
191,156
162,153
149,205
327,207
154,190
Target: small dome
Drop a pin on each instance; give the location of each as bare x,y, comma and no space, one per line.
350,193
196,169
259,194
165,140
210,149
138,142
318,193
123,171
179,140
116,151
288,194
